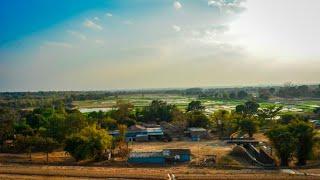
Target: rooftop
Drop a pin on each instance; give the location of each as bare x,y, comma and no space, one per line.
196,129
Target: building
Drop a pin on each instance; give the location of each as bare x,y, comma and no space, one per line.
316,123
177,155
197,133
141,133
160,157
154,157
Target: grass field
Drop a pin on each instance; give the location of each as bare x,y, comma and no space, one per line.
290,105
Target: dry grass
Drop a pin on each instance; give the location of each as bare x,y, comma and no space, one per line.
72,172
13,168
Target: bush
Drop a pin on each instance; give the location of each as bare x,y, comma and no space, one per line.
89,143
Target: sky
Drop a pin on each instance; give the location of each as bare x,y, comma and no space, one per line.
136,44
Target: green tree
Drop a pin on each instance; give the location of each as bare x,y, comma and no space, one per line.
108,123
242,94
195,106
8,118
284,143
157,111
268,114
248,109
74,122
89,143
287,118
198,119
248,126
57,128
223,122
304,133
179,120
123,113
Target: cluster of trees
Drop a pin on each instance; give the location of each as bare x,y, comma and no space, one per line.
291,135
47,129
291,91
295,139
85,136
19,100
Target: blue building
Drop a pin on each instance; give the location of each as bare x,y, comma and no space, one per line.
141,133
177,155
155,157
160,157
196,133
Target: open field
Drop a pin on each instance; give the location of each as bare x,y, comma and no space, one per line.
291,105
62,166
199,150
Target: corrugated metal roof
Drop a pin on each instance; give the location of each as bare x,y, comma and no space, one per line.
145,154
177,151
196,129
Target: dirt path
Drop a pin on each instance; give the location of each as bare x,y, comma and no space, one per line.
78,172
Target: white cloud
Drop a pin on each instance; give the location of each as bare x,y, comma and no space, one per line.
177,5
99,41
109,14
227,6
77,34
214,3
58,44
92,25
96,18
176,28
127,22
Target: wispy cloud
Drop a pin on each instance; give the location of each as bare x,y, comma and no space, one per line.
232,6
177,5
127,22
99,41
109,15
58,44
77,34
96,18
92,25
176,28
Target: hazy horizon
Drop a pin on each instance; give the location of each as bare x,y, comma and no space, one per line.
159,44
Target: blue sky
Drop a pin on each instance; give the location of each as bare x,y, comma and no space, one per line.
117,44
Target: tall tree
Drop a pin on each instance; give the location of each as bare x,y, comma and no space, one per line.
223,122
158,111
8,118
268,114
195,105
198,119
284,143
248,109
248,126
304,133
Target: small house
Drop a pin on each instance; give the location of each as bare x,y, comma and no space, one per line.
141,133
197,133
177,155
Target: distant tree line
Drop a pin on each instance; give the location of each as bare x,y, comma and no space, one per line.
21,100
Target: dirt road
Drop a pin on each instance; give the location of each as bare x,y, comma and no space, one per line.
78,172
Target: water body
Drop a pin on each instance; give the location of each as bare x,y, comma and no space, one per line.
88,110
